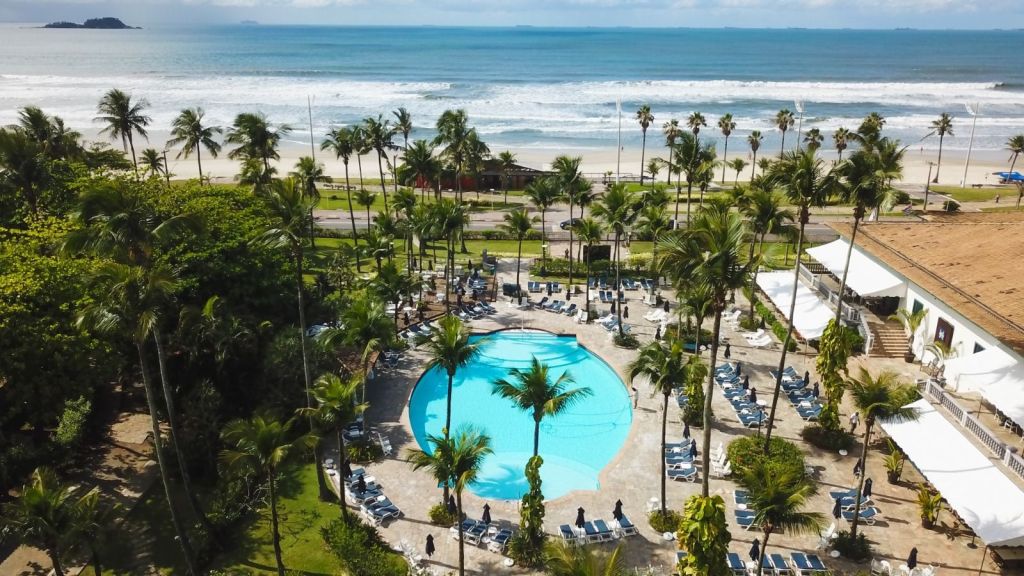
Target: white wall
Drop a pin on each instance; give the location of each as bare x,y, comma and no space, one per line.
965,333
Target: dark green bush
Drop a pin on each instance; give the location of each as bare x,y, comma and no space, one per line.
72,424
831,440
626,341
778,328
747,451
440,515
361,549
363,451
853,548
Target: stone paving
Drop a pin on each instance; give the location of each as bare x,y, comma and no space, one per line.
633,476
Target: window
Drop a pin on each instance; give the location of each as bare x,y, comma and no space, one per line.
918,305
978,347
944,332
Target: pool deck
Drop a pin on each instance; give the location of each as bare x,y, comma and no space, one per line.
633,475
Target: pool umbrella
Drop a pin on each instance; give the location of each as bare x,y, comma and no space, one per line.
429,548
837,510
580,520
487,514
693,449
452,507
815,390
912,559
867,488
728,351
746,382
625,312
346,470
617,513
739,368
807,376
755,550
753,395
361,484
666,306
686,431
613,307
857,468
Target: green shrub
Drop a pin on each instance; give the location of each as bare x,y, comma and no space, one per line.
363,451
831,440
361,550
853,548
668,522
900,197
747,451
626,341
72,425
440,515
778,328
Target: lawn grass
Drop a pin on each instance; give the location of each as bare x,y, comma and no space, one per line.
973,194
318,259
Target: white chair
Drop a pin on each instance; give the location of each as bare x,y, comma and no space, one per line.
879,567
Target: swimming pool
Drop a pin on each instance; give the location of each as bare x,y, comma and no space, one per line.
575,445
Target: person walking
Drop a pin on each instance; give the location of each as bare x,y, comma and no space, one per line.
636,397
854,420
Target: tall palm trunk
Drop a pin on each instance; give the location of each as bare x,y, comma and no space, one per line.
462,548
184,541
858,215
804,217
764,547
689,191
679,190
753,167
383,187
664,432
782,149
352,218
135,162
618,259
569,287
938,165
448,407
643,152
342,457
725,158
753,281
173,424
589,247
324,492
274,527
869,422
536,433
706,452
199,160
519,263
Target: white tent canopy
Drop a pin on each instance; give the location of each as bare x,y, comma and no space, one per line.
991,504
812,315
866,276
996,375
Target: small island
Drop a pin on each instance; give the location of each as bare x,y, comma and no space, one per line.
107,23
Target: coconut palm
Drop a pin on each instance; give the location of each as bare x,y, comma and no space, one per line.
671,130
573,188
403,126
23,166
665,366
255,138
518,224
654,221
123,118
1016,147
618,208
531,390
45,515
654,167
308,172
365,326
452,130
813,139
695,122
365,198
841,139
451,217
92,523
645,118
506,162
709,254
378,132
477,154
152,163
422,165
754,139
543,193
339,141
590,232
737,164
784,121
263,446
870,130
449,349
764,210
883,398
726,125
460,458
778,498
566,559
696,160
806,184
911,322
189,131
337,407
942,126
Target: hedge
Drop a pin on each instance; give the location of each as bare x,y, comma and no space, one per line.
778,328
747,451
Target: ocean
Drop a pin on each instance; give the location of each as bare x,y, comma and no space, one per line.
530,88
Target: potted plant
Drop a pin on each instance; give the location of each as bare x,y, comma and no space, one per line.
930,505
894,462
911,321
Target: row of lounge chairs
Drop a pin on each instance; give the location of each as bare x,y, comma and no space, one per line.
479,310
758,338
869,514
553,287
611,323
373,504
749,413
557,306
608,296
495,536
598,531
801,565
626,283
802,398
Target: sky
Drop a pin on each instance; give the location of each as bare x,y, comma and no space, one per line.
960,14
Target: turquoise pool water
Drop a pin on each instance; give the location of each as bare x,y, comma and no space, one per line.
575,445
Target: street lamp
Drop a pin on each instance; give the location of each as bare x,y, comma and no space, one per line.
973,111
799,105
760,415
543,259
927,185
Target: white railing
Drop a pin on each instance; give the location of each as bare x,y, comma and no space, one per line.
865,332
1014,462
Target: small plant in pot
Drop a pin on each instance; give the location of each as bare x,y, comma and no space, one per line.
930,505
911,321
894,462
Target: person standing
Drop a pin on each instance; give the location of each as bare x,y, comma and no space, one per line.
728,351
636,397
854,420
429,548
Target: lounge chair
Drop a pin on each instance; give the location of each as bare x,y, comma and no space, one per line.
849,502
851,493
809,414
808,564
868,515
779,564
570,310
557,307
681,556
568,534
762,342
687,474
746,522
556,287
499,542
722,471
755,334
736,564
604,531
626,528
542,302
750,420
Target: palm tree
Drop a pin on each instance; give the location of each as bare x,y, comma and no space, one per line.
654,167
262,446
778,497
337,407
308,172
784,121
883,398
132,297
574,189
565,559
256,139
695,122
1016,147
92,523
340,141
654,221
531,390
590,232
365,198
870,129
813,139
460,458
709,254
764,210
45,515
123,119
665,366
189,131
153,163
452,130
737,164
449,348
806,183
726,125
942,126
423,167
24,167
518,224
543,193
366,326
671,130
841,140
645,118
911,322
506,161
403,126
754,140
697,160
378,133
619,209
477,153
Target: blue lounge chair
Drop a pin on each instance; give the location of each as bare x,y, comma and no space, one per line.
867,515
779,564
741,497
816,564
591,532
687,474
499,542
603,530
746,522
557,307
570,310
852,492
626,527
809,413
849,502
542,302
803,567
736,564
568,534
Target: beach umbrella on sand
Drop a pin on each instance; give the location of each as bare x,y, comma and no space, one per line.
686,431
837,510
867,488
452,507
912,559
346,469
487,514
753,395
617,513
361,484
429,548
580,520
755,550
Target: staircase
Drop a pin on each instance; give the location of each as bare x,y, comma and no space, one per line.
889,340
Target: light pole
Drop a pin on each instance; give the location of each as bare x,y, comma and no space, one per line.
927,185
543,259
799,104
975,111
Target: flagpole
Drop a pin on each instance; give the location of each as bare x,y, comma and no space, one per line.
618,151
309,109
970,147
